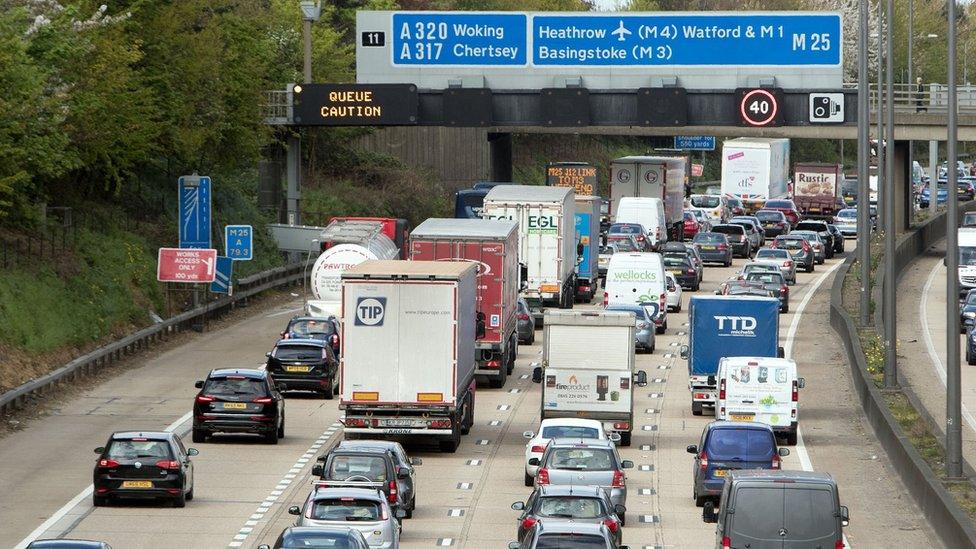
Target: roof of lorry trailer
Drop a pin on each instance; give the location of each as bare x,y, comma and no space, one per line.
529,192
462,228
392,268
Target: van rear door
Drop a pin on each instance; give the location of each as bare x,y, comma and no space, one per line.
756,517
810,519
756,392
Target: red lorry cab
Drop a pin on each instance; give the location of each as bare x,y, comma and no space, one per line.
398,230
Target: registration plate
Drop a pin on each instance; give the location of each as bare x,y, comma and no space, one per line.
235,406
674,272
398,423
708,247
304,369
741,417
720,472
137,484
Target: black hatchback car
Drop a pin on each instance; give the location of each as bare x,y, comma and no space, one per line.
313,327
238,401
304,365
143,465
371,464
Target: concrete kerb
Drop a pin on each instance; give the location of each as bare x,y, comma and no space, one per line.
940,509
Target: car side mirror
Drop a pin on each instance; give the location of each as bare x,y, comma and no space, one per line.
403,474
294,510
268,354
711,380
626,464
514,545
528,434
684,352
845,515
534,461
518,506
537,374
614,437
640,378
318,470
691,449
780,352
192,452
801,383
400,514
99,450
264,546
619,509
416,461
783,452
198,384
709,515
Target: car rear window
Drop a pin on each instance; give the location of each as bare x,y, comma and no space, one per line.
758,513
570,431
345,467
624,243
316,540
767,277
569,541
811,226
311,328
765,253
785,204
235,385
136,448
638,311
810,513
574,507
676,261
581,459
297,352
705,201
791,243
747,444
709,238
769,216
689,216
348,509
625,228
729,229
847,214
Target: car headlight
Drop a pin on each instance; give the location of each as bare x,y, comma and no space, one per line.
969,314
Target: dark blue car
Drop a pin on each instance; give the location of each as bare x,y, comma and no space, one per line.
971,347
967,311
728,445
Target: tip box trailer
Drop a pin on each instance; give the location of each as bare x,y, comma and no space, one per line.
816,189
547,240
588,369
726,326
408,356
588,236
492,246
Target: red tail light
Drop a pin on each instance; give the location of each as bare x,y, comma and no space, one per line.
536,449
783,289
606,299
723,247
334,340
523,316
528,522
839,544
663,302
168,464
618,479
354,422
392,497
204,398
542,477
621,425
788,263
108,463
721,390
657,233
726,542
262,400
690,271
806,247
777,461
611,525
796,392
702,461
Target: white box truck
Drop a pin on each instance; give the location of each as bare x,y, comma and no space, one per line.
755,170
408,356
547,239
661,177
588,369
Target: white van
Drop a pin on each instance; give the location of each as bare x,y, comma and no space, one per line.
648,212
638,278
715,206
967,259
761,389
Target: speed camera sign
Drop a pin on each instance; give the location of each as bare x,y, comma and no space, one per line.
760,107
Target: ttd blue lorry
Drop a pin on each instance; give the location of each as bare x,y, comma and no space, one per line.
588,238
726,326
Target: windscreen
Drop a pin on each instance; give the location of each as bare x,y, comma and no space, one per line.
311,328
235,386
967,256
346,467
570,541
581,459
347,509
807,226
790,244
847,214
750,271
625,228
744,444
708,238
297,352
139,449
571,507
676,261
570,431
706,201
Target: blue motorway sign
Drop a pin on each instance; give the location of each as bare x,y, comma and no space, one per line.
221,283
689,39
694,142
239,242
194,218
432,38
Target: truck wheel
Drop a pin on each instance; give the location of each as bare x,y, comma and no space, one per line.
696,408
513,354
791,439
450,445
498,381
625,439
529,479
468,420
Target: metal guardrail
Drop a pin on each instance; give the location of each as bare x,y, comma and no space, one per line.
143,339
934,98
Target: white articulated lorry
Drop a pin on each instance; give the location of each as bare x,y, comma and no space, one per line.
547,239
588,369
755,169
661,177
408,354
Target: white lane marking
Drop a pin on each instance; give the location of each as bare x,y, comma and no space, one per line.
801,449
936,360
280,313
67,507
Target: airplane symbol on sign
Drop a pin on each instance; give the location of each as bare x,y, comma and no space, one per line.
621,31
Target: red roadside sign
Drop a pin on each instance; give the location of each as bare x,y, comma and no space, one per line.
186,265
696,170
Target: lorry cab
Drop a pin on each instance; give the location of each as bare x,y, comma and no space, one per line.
715,206
761,389
967,259
648,212
638,278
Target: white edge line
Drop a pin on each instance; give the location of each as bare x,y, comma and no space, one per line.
67,507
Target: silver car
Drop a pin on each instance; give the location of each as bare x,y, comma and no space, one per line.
846,222
756,224
364,509
644,334
818,245
586,462
780,257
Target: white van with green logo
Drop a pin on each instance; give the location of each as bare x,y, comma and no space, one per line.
761,389
638,278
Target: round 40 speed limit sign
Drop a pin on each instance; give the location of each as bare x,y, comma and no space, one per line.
760,107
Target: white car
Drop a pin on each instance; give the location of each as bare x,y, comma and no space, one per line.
559,428
674,293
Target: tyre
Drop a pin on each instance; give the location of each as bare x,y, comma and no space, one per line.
696,408
728,263
329,393
700,501
409,510
970,360
468,419
189,495
450,445
809,269
625,439
498,381
623,519
199,436
694,288
532,338
785,309
281,428
100,501
529,479
661,329
678,308
271,437
791,438
179,501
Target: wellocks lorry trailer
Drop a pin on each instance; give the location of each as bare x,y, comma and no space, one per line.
407,365
588,369
817,189
726,326
588,236
547,240
661,177
755,170
492,246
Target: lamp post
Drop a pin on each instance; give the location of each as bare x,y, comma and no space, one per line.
889,288
953,465
863,162
311,11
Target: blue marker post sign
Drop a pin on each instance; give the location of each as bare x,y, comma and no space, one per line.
687,39
194,211
239,242
459,39
222,274
694,142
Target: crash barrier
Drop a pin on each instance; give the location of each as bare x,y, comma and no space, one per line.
940,509
94,361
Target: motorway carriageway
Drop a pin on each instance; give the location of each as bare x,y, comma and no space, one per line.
244,487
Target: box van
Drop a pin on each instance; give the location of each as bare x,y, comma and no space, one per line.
761,389
638,278
648,212
967,259
788,509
